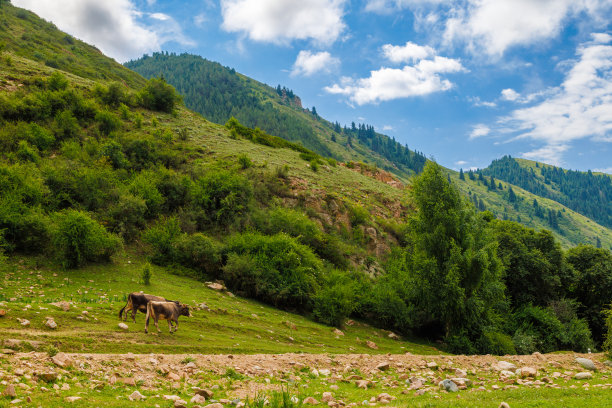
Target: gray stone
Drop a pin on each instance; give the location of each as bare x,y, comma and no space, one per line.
585,375
123,326
136,396
448,385
586,363
503,366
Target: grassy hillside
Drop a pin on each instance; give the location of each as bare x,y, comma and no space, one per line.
570,227
222,323
24,34
219,93
587,193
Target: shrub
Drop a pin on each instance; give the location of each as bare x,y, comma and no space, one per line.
223,196
314,165
275,269
114,152
244,161
543,325
145,275
199,252
358,215
524,343
66,125
144,185
163,237
127,215
607,345
107,122
335,300
159,96
57,82
114,95
78,239
496,343
26,152
459,344
40,137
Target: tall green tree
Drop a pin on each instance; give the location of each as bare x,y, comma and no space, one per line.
453,262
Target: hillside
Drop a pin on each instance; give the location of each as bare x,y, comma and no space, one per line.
509,202
219,93
584,192
96,173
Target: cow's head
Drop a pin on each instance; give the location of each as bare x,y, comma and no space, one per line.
185,310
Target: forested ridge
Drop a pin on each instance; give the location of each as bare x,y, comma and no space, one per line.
584,192
90,168
219,93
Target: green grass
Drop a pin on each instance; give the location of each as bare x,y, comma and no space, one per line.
234,325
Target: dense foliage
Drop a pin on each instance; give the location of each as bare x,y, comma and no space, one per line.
584,192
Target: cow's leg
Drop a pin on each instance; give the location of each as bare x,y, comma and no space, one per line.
170,326
147,322
176,325
156,324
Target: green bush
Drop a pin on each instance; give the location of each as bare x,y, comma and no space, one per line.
496,343
244,161
114,152
335,300
78,239
223,196
107,122
199,252
358,215
145,275
275,269
144,185
57,82
40,137
159,96
127,216
27,152
607,345
66,125
162,238
547,331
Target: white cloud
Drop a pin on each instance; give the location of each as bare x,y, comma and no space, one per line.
493,26
421,78
114,26
200,19
607,170
387,127
580,108
388,6
308,63
282,21
510,94
479,130
406,53
461,163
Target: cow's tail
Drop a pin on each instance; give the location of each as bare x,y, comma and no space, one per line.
126,305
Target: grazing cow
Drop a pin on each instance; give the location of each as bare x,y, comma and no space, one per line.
166,310
137,301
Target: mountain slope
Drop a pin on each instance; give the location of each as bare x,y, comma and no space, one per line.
587,193
219,92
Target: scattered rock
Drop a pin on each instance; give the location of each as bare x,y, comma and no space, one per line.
608,363
206,393
460,373
507,374
504,405
585,375
179,403
136,396
72,399
393,336
383,366
327,397
503,366
432,365
171,397
48,376
528,372
9,391
448,385
338,332
215,286
50,323
62,360
371,345
310,401
2,312
63,305
290,325
362,384
174,377
128,381
123,326
24,322
198,399
215,405
586,363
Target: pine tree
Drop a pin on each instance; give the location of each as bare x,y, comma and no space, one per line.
461,175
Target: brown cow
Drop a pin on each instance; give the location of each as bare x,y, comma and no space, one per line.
137,301
166,310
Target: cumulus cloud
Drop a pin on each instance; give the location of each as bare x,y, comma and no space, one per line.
493,26
280,22
580,108
510,94
308,63
479,130
115,26
421,78
406,53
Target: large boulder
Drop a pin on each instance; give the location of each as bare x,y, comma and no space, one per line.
448,385
586,363
62,360
503,366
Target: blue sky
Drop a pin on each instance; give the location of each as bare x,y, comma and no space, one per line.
463,81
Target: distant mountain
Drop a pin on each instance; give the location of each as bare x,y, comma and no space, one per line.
219,92
584,192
